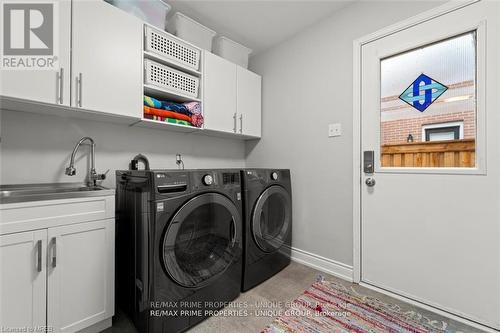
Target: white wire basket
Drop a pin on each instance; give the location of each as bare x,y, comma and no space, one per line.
170,47
170,79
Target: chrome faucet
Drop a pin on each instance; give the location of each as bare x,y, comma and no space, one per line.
93,176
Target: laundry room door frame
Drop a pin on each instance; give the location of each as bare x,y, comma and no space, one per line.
357,136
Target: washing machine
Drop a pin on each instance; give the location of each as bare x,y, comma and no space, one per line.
267,206
178,245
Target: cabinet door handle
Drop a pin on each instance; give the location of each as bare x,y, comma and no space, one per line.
241,123
54,252
79,90
234,122
58,87
39,255
61,85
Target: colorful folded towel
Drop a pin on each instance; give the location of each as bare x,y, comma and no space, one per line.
197,119
168,120
194,107
152,102
176,107
167,105
177,121
166,113
183,111
196,116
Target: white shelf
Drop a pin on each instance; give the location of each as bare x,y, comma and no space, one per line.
157,124
173,96
171,63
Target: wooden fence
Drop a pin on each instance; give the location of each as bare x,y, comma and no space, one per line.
451,153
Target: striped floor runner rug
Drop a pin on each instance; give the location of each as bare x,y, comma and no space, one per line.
334,308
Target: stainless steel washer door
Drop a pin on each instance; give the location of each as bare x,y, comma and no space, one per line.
271,218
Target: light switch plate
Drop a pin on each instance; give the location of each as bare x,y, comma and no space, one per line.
334,130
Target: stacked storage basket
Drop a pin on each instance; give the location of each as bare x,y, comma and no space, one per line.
176,53
172,48
171,67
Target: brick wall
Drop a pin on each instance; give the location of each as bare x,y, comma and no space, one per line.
396,131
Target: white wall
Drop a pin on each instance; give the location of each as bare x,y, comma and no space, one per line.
307,84
36,148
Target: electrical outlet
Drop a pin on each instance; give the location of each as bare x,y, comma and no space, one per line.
334,130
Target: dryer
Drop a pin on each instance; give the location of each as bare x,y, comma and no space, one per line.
179,245
267,197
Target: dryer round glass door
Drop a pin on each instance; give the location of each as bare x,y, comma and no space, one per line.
271,218
202,240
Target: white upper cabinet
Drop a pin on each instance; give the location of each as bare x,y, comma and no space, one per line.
219,103
100,69
231,97
106,59
23,279
48,85
249,102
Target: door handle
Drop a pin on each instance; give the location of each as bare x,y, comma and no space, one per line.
241,123
233,236
54,252
234,122
39,255
79,90
370,182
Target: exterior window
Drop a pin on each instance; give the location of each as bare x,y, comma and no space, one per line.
428,95
445,131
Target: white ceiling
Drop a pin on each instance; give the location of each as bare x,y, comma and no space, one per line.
257,24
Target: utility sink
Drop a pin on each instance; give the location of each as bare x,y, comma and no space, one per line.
38,192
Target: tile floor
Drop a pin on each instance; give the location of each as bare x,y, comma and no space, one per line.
282,288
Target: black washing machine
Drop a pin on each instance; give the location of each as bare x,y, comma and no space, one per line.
267,235
178,245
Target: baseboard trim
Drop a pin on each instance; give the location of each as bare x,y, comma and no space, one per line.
442,312
323,264
98,327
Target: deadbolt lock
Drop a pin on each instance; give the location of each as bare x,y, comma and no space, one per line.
368,161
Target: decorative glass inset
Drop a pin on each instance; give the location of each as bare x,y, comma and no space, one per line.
423,92
432,123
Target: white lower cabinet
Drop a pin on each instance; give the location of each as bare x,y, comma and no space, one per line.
80,275
23,275
61,274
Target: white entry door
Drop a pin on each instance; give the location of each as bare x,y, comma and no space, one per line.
430,212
